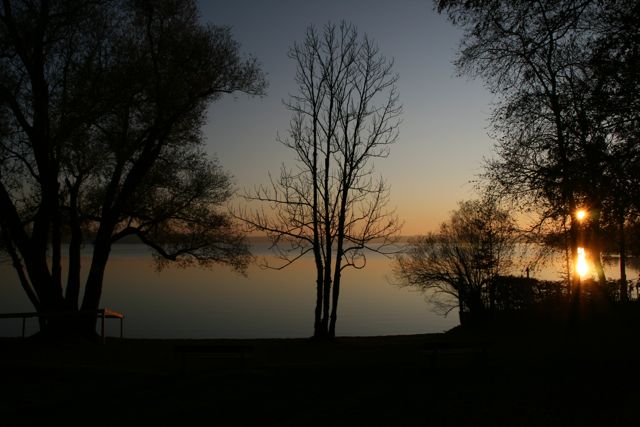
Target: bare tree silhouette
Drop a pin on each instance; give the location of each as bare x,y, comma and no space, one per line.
345,115
459,263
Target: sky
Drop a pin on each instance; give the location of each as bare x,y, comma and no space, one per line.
443,134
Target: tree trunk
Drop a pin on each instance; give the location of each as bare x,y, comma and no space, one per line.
476,307
17,265
597,262
461,305
567,256
93,287
337,273
318,331
596,243
72,294
573,255
336,294
48,294
624,296
326,296
317,324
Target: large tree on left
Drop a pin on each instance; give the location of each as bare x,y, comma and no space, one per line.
101,109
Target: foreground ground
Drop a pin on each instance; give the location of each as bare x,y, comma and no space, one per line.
555,377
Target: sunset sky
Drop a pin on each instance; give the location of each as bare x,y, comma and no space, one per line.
443,135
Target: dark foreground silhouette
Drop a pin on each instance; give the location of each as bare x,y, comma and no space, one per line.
495,375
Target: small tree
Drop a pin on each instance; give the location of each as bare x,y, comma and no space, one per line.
331,205
463,259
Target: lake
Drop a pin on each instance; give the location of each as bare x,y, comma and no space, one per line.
218,303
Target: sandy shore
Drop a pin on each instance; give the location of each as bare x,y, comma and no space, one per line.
435,379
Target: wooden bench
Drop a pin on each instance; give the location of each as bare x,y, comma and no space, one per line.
232,353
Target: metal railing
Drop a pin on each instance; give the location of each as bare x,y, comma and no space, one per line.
102,314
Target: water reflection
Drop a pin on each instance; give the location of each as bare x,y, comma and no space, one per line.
217,303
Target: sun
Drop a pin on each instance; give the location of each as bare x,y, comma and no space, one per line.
581,214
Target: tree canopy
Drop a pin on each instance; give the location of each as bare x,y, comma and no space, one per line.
101,109
565,77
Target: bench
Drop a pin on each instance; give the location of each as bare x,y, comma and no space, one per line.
232,353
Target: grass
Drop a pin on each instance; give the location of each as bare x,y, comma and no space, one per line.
511,377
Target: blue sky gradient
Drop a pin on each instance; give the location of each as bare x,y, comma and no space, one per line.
443,135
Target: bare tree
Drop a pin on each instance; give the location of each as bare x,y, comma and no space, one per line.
459,264
330,204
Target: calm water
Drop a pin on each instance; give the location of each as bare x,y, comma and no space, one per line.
218,303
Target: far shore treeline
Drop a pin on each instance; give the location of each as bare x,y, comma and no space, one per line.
102,106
